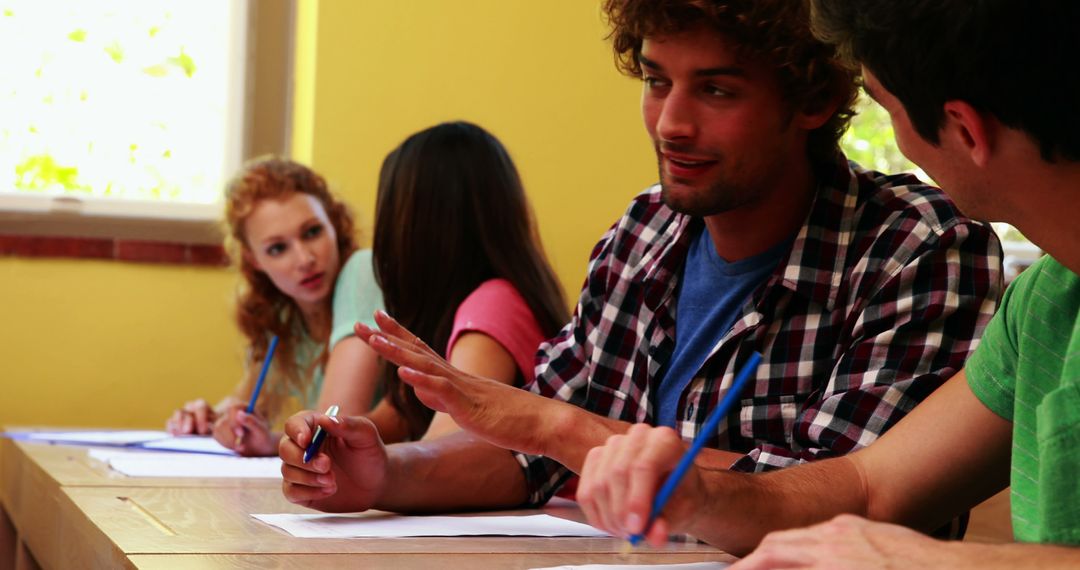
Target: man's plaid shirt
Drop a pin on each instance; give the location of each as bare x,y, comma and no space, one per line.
883,296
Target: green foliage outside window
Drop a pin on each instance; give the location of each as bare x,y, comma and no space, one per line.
114,98
870,140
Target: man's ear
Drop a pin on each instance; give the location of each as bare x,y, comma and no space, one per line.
972,131
816,113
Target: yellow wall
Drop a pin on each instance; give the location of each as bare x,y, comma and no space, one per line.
110,343
539,75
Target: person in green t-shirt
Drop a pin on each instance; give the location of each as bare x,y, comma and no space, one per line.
305,282
982,95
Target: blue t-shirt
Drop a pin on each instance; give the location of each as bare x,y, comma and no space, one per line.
710,299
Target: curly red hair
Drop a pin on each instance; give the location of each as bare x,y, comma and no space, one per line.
261,309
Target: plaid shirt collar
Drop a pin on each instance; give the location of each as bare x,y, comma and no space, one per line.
831,220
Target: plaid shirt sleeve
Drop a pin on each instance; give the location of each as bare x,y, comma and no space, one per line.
911,319
562,368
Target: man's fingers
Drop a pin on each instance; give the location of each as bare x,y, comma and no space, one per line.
363,332
588,488
355,431
656,452
391,328
605,485
591,489
658,532
435,392
621,466
778,550
408,355
299,428
396,344
308,478
304,494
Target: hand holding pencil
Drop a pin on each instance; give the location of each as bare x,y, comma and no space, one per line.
620,489
239,429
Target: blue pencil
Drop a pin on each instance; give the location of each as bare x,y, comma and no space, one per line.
707,430
259,384
262,374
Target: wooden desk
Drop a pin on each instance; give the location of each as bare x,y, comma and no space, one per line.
991,521
214,526
31,467
72,512
32,474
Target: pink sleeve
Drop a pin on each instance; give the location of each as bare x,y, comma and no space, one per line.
496,309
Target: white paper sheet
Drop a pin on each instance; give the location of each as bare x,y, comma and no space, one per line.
189,444
686,566
113,437
156,440
394,526
137,463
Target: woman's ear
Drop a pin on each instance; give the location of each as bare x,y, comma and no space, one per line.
968,129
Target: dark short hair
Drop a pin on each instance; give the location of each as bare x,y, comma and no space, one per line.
1014,59
774,31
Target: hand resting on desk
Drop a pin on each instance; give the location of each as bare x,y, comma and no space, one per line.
195,418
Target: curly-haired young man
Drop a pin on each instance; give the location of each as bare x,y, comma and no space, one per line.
862,291
980,95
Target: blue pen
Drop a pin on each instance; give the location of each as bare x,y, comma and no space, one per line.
262,374
259,383
320,435
707,430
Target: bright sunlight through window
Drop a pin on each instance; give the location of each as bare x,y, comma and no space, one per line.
121,100
870,142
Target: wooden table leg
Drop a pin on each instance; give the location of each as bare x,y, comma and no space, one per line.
8,540
24,559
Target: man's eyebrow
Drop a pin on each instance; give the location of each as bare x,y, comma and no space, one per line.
707,72
646,62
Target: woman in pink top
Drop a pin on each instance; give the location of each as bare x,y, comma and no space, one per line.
459,262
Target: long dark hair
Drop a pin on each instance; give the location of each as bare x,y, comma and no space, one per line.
451,213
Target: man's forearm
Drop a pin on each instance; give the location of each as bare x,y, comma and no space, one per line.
455,472
575,431
739,509
571,432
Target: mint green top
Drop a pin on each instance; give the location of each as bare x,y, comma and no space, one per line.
356,298
1027,370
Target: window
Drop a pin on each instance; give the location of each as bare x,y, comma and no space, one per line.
870,142
121,118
